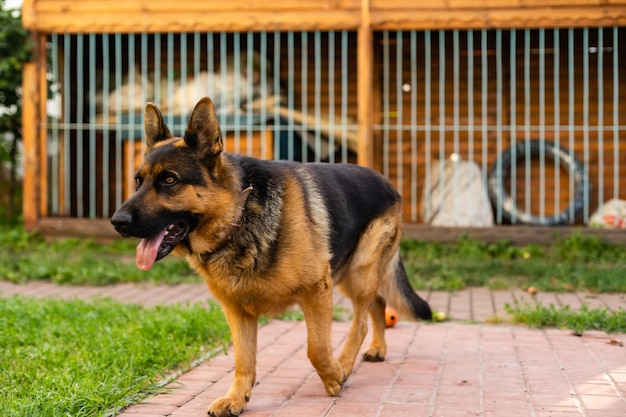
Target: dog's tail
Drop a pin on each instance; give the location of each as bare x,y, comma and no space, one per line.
400,295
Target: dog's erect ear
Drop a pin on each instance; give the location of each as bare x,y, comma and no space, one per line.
203,132
154,126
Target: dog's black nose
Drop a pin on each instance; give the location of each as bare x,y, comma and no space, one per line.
121,221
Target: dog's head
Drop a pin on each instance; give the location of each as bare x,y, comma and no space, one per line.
182,185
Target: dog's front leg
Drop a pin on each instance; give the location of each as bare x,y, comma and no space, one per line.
243,328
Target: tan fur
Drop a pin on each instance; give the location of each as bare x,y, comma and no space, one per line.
370,269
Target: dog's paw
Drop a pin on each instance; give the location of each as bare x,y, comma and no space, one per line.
334,383
333,388
374,354
226,407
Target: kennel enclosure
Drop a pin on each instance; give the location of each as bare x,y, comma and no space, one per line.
418,92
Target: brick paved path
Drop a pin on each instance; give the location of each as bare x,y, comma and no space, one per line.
470,305
452,369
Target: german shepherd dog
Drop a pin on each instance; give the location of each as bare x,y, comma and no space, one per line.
267,234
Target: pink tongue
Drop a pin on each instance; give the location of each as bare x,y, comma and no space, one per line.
147,251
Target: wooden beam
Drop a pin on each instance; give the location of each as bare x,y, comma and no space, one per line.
167,6
29,138
102,230
510,18
150,16
185,21
72,227
365,73
518,235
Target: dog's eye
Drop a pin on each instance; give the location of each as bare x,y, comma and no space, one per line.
170,180
138,182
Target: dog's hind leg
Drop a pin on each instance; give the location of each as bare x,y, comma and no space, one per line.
378,348
361,280
361,301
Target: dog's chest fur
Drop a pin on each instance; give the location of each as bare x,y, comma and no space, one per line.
277,245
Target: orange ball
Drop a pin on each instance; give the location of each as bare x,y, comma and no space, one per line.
391,316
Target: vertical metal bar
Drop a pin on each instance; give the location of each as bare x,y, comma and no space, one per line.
571,106
131,76
251,81
386,80
542,124
586,121
67,106
331,96
290,94
237,71
223,88
470,95
119,158
145,96
557,120
317,47
600,139
484,68
210,64
106,149
499,104
183,73
414,166
157,69
470,103
92,131
616,123
427,117
80,106
399,110
442,115
513,117
276,79
130,129
170,78
305,92
344,96
200,88
196,62
455,117
527,131
264,92
54,127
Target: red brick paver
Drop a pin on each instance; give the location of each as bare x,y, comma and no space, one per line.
445,369
451,369
470,305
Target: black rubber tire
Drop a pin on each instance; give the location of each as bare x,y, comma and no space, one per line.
510,212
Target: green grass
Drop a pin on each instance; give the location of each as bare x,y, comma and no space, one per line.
573,263
27,256
579,321
74,358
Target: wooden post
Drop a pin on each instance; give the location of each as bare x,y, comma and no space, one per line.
30,124
364,87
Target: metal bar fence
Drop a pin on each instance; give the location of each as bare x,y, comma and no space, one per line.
278,95
537,115
529,111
